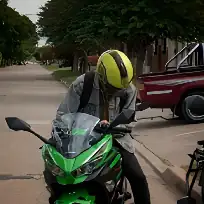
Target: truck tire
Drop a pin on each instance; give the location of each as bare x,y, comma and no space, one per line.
188,114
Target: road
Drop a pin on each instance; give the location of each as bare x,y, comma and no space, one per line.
172,140
30,93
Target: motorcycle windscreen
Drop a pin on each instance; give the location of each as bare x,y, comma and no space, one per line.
79,135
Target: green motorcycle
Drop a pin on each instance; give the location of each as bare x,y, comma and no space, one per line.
81,164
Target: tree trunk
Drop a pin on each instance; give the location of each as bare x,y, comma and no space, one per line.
75,62
125,49
140,55
84,64
149,56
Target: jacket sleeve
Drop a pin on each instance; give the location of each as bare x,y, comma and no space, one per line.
131,98
71,101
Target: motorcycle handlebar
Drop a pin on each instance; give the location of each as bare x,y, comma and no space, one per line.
121,129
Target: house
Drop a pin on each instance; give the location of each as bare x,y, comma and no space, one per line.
159,53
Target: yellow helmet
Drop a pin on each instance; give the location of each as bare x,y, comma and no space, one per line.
115,68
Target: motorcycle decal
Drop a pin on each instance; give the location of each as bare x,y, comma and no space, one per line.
79,132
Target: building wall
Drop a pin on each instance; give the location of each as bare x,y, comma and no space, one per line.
159,53
159,56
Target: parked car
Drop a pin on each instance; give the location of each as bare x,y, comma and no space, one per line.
180,87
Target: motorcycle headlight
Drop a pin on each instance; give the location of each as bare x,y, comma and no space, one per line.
87,168
90,166
56,171
51,166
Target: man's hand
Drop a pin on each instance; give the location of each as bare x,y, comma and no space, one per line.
104,123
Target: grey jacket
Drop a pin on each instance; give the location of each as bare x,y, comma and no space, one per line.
72,100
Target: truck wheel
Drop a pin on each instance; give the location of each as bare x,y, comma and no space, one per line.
192,107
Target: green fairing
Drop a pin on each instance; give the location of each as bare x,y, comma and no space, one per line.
115,161
88,154
69,165
79,196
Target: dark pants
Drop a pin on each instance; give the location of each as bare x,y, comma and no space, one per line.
134,174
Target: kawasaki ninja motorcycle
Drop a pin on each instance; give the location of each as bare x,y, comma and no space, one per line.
81,164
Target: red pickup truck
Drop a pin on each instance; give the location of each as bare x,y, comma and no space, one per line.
180,87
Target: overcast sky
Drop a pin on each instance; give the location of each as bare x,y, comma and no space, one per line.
28,7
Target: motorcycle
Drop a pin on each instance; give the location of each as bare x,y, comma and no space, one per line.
196,158
82,166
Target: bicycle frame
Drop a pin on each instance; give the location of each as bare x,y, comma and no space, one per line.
198,157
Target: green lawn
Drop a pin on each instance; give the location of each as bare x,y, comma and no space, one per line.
52,67
55,67
65,75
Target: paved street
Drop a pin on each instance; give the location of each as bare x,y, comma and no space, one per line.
30,93
171,140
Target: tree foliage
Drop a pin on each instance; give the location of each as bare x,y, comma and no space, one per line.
135,22
18,36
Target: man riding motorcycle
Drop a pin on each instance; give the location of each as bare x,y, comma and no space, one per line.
112,81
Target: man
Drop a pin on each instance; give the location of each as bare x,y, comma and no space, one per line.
112,82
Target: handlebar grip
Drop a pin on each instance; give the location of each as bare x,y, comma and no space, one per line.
121,129
99,129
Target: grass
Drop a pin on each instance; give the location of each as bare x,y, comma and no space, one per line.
55,67
65,75
52,67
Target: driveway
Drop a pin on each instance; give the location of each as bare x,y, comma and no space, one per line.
29,92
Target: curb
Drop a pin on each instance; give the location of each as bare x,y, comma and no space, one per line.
174,176
64,83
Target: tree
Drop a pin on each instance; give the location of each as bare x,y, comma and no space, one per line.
18,35
44,53
137,23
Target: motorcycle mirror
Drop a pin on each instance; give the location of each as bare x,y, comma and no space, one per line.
186,200
125,117
17,124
